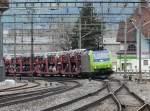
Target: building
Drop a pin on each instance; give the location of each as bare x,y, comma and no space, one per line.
109,42
139,18
45,40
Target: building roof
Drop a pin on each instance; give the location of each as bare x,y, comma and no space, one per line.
136,18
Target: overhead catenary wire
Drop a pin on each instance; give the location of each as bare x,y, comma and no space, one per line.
59,13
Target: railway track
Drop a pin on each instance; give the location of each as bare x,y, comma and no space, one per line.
113,95
102,102
19,90
114,84
34,88
81,101
30,93
118,99
129,101
36,84
13,88
33,95
145,107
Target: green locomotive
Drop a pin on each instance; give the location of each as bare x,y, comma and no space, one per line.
96,63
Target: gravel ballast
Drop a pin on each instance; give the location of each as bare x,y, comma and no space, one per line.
37,105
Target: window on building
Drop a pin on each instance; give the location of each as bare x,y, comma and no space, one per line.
131,47
145,62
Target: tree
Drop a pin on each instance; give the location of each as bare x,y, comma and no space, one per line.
64,41
91,28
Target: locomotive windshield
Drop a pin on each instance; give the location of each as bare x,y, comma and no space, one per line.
100,56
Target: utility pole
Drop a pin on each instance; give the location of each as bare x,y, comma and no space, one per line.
15,46
80,41
32,47
139,31
30,12
2,70
101,37
81,36
22,40
125,48
140,35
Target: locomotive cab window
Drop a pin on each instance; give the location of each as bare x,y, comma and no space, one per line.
100,56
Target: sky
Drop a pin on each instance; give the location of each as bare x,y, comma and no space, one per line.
98,9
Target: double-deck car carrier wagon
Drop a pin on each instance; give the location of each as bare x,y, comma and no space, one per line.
81,62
